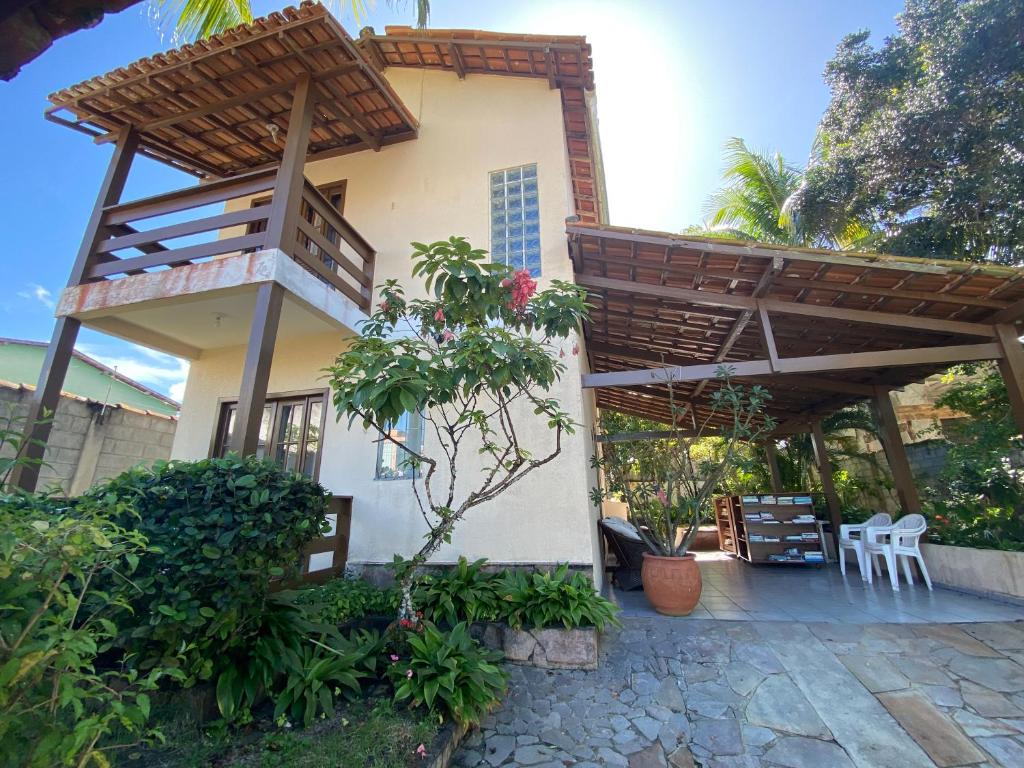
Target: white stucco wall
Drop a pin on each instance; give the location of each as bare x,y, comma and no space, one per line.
425,190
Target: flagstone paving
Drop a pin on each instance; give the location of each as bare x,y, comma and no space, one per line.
732,694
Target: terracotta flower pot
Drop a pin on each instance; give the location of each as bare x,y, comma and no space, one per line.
672,584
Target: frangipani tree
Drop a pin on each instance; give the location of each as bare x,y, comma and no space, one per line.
472,360
667,483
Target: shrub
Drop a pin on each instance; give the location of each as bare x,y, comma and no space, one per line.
343,600
463,593
541,600
221,529
974,522
449,673
56,707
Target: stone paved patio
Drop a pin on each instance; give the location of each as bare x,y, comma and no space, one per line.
724,694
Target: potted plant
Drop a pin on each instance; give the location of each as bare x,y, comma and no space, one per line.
667,483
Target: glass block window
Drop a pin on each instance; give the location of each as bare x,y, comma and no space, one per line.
515,218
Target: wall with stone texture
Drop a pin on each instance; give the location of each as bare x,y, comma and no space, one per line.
84,447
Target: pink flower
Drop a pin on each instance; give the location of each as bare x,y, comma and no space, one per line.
561,353
408,673
447,335
662,497
523,287
575,350
384,306
439,315
422,752
394,658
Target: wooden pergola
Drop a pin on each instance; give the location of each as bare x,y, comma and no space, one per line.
818,329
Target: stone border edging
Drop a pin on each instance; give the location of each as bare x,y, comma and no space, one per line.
543,648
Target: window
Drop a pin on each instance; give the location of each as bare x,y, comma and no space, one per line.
515,218
290,432
392,460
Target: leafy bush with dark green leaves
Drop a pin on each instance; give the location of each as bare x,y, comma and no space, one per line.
57,706
298,663
463,593
539,600
343,600
449,673
221,530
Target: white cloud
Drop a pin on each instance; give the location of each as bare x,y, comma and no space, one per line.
160,371
38,293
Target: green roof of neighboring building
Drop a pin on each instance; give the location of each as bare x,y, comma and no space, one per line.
21,361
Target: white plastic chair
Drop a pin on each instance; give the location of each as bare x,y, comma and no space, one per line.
900,540
852,537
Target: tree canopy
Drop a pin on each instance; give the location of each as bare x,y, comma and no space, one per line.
924,136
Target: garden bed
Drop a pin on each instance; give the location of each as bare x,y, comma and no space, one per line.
989,572
364,733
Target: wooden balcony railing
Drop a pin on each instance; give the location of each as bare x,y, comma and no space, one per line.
323,242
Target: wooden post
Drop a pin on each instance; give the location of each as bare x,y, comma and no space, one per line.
252,396
65,332
283,219
895,453
771,456
1011,365
835,512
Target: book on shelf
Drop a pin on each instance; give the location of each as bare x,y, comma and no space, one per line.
751,499
808,536
785,500
802,500
809,519
768,500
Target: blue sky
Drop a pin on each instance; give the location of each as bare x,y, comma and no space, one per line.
675,80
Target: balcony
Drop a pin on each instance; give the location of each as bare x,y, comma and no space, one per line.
191,285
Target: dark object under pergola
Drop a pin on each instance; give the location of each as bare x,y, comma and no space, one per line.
818,329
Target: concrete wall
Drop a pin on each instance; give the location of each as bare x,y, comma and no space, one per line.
425,190
990,572
84,449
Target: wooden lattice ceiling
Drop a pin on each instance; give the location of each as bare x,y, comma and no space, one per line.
564,61
208,108
672,300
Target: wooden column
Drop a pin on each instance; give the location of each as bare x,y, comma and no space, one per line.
1011,365
835,512
283,219
895,453
65,331
771,456
252,396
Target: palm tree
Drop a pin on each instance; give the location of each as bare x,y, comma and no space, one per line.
198,19
756,203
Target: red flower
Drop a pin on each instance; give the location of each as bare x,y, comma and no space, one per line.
384,306
439,315
575,349
447,335
523,287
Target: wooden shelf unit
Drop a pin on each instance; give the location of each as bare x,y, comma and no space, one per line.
734,529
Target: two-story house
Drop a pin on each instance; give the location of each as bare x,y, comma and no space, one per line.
321,157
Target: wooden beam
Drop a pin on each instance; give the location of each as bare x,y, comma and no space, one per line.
896,453
750,303
259,355
1010,314
629,437
767,337
828,485
282,224
771,457
818,363
859,289
457,63
1011,365
46,397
